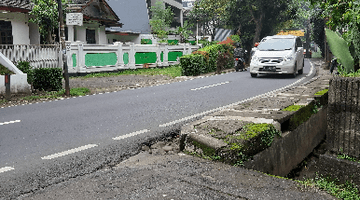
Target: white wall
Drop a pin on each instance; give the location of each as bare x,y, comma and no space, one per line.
20,26
80,33
34,33
20,29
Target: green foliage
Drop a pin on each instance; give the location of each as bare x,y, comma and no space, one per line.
235,38
184,31
346,157
340,49
46,15
209,15
47,79
196,64
161,20
341,191
193,65
27,69
4,70
255,19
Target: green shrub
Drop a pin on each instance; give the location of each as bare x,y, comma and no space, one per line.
193,65
27,69
235,38
47,79
208,63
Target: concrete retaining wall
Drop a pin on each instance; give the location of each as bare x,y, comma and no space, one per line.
287,152
344,116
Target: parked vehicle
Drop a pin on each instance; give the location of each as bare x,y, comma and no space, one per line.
278,54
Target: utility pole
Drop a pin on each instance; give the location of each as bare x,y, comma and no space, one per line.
63,48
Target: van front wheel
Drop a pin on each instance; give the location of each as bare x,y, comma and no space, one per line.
295,71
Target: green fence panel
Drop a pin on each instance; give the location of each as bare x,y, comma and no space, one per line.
172,56
126,58
173,42
100,59
74,60
162,57
142,58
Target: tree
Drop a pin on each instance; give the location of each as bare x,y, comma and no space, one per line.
255,19
184,32
343,16
210,14
46,15
161,19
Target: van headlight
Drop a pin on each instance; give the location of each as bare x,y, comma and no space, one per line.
254,59
289,58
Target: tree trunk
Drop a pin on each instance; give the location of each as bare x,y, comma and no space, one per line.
258,28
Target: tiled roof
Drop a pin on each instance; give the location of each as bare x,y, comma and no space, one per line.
23,4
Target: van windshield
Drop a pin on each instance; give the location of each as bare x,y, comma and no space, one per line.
276,44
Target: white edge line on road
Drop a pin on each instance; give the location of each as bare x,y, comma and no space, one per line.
71,151
236,103
130,134
210,86
10,122
6,169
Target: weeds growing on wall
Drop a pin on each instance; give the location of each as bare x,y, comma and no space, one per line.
341,191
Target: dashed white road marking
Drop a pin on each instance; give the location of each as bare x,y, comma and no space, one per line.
71,151
210,86
5,169
10,122
131,134
236,103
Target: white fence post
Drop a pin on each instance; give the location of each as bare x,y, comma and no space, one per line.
120,54
132,56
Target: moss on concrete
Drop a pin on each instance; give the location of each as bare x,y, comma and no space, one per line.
322,92
246,142
293,108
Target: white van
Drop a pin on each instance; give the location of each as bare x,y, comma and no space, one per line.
278,54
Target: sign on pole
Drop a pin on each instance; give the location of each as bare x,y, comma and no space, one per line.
74,19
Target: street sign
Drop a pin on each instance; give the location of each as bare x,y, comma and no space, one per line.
292,32
74,19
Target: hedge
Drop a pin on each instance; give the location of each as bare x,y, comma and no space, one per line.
49,79
199,62
42,78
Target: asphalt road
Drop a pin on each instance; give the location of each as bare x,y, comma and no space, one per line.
46,143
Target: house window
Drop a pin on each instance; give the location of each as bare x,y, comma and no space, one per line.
90,36
6,32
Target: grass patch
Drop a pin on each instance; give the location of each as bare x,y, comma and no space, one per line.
322,92
172,71
58,94
341,191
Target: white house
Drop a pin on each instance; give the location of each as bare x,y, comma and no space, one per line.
97,15
15,27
